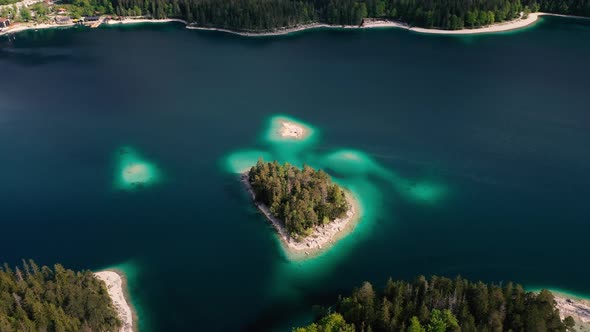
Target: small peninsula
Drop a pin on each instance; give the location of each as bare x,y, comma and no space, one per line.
34,298
115,283
292,130
308,211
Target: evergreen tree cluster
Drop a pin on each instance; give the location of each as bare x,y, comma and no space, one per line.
34,299
442,304
303,199
267,15
333,322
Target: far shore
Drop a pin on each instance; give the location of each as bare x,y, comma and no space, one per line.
144,20
370,24
117,287
322,238
18,27
23,27
516,24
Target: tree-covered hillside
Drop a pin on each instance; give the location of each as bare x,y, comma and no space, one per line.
442,304
302,199
34,299
264,15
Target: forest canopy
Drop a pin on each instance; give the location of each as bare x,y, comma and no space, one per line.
301,198
267,15
441,304
34,298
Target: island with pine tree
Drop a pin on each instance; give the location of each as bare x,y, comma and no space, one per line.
307,209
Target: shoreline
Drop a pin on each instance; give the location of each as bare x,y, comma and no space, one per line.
116,284
575,306
290,130
144,20
386,23
516,24
24,27
304,27
322,238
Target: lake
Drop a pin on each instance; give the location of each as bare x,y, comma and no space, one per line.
470,156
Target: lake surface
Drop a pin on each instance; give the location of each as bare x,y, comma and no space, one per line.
470,156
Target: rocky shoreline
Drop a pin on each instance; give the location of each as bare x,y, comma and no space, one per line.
321,238
579,309
115,283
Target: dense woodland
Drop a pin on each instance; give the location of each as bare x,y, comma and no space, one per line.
302,199
34,299
264,15
442,304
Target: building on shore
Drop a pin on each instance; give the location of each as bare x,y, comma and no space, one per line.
4,23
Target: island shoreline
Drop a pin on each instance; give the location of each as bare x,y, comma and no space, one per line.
117,286
290,130
321,240
513,25
575,306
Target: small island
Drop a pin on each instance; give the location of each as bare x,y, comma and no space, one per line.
308,211
291,130
285,129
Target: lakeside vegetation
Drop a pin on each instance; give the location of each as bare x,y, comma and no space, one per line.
34,298
441,304
268,15
265,15
39,13
302,199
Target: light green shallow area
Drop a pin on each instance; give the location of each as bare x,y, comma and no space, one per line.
240,161
290,275
357,171
561,292
350,162
353,169
132,170
287,149
130,271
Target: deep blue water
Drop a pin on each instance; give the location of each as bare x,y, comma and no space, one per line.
500,122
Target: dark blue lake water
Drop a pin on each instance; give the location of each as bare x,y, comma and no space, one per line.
473,159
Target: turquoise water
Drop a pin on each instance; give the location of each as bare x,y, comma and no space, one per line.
121,146
354,170
133,171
